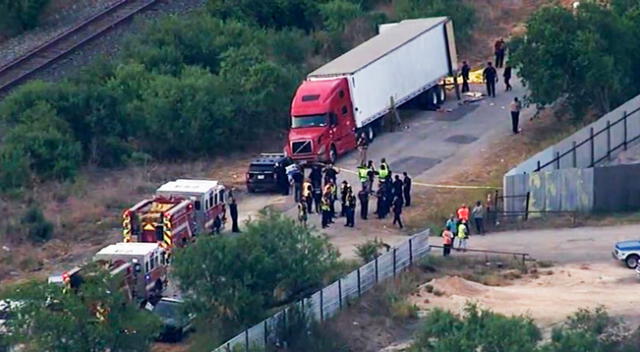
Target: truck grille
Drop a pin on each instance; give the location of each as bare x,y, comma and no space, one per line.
302,147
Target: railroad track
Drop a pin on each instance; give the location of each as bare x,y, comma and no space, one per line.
21,68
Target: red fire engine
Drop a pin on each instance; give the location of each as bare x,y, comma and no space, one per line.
180,210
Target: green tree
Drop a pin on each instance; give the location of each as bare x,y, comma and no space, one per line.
50,319
235,280
36,226
337,13
589,57
20,15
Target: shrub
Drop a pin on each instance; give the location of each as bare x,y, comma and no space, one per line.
337,13
20,15
462,14
369,250
38,229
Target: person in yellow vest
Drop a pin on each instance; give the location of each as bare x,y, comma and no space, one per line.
383,174
324,207
447,241
363,176
463,236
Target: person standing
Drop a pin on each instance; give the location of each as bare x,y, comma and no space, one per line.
516,106
380,194
363,176
363,145
350,208
406,189
217,224
330,174
282,181
317,199
297,176
388,175
462,235
325,211
447,242
478,217
302,213
490,77
507,78
233,211
344,190
371,174
464,72
307,194
363,196
397,187
397,211
316,177
500,48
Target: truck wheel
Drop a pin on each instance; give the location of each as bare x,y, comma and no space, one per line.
631,261
442,94
433,98
158,287
371,133
333,154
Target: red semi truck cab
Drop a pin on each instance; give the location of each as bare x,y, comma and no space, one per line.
322,121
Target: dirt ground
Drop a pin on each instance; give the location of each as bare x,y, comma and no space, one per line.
548,299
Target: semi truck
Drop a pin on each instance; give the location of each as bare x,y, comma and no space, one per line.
350,94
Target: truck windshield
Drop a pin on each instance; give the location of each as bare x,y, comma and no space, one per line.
310,121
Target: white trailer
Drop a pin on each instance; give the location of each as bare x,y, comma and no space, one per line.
403,61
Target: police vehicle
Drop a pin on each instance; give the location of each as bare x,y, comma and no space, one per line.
261,175
627,252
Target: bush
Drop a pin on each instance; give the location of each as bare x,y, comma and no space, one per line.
37,228
20,15
337,13
369,250
462,14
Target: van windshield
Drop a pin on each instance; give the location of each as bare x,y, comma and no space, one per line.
310,121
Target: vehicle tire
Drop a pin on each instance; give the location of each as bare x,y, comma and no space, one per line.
631,261
333,154
371,133
442,94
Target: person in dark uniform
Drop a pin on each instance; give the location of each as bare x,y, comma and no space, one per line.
317,199
282,181
371,174
397,211
350,208
308,198
406,189
397,187
298,179
344,191
217,224
500,49
316,177
490,76
233,211
380,194
330,174
507,78
363,196
465,76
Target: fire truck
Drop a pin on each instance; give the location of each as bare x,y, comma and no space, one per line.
138,270
176,214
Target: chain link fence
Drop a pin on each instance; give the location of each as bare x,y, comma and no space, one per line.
330,300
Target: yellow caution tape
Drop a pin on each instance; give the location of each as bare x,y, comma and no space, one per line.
431,185
475,76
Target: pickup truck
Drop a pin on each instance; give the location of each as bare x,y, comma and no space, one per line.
628,252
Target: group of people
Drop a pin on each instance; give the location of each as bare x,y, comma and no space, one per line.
320,191
490,78
457,228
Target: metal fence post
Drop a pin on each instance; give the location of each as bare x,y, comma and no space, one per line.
340,292
526,206
376,267
575,155
394,262
557,160
359,289
624,124
321,305
593,156
246,340
266,334
538,168
410,251
608,140
228,347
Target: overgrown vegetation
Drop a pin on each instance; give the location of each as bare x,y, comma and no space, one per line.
187,87
239,279
48,318
20,15
483,330
590,57
37,227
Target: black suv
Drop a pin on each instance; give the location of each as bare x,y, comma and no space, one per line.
261,175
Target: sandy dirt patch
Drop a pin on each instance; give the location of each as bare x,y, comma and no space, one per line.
548,299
